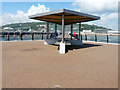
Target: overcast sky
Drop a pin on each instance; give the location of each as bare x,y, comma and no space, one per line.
18,12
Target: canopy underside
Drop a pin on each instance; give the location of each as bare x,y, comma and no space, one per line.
70,17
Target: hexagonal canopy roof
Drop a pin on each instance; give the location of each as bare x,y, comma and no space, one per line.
70,17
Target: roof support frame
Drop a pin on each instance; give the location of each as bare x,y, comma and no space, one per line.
79,30
55,30
63,27
65,19
71,30
47,29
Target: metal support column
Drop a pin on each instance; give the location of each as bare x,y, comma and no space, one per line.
47,29
79,30
107,38
71,30
55,30
63,28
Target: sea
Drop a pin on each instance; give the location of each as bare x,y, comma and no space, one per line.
100,38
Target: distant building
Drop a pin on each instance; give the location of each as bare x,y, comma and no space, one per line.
101,31
87,31
25,27
43,26
8,28
113,32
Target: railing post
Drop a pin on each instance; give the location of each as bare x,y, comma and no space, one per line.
32,36
81,36
107,39
85,37
96,38
8,36
42,36
14,35
21,36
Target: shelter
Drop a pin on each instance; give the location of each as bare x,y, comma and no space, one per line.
64,17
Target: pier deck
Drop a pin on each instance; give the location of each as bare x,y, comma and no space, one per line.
31,64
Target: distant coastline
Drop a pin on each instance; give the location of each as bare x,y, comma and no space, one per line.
33,27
